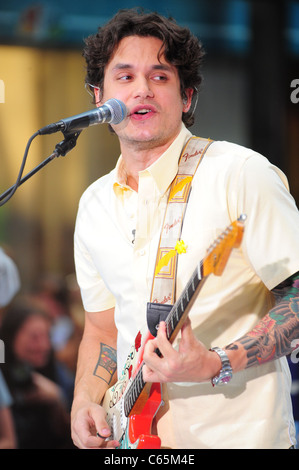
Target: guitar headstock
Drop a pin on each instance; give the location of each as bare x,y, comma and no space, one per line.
219,252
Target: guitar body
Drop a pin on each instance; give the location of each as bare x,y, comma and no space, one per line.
133,431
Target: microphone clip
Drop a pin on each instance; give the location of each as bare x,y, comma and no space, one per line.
67,144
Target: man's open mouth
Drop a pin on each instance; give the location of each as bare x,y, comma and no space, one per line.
143,111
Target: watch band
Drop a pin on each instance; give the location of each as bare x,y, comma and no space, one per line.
226,372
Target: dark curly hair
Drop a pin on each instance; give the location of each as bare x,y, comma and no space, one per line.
180,48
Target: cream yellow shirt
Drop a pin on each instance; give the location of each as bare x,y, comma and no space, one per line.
254,409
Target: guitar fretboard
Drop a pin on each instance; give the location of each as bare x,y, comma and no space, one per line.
180,307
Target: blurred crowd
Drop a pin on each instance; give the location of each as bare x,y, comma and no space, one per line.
40,330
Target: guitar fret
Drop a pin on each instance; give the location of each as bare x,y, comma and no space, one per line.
191,290
141,383
187,294
168,332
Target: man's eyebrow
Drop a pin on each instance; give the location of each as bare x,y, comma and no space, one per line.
124,66
165,67
121,66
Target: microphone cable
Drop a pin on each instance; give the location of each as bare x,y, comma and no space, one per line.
13,189
61,149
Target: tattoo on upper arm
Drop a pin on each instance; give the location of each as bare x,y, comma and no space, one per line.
274,335
107,363
287,289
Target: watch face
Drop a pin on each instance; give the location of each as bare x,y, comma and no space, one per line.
226,373
223,378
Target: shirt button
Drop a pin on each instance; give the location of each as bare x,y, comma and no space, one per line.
141,252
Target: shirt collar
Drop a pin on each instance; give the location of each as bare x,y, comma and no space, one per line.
162,170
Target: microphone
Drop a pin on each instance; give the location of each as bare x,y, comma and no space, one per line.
113,112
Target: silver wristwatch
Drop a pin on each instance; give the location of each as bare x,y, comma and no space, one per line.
226,372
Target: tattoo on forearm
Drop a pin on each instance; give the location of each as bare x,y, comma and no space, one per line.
274,336
107,363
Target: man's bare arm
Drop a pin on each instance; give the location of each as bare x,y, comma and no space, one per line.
276,335
96,372
95,368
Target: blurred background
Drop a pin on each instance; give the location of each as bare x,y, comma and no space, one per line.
251,74
252,56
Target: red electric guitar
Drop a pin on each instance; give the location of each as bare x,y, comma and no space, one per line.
131,404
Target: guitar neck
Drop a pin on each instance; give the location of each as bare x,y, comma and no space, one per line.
182,306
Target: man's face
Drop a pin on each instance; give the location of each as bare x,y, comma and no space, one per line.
149,88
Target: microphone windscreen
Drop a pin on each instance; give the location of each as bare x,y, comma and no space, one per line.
118,110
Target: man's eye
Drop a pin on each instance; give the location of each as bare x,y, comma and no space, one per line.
159,78
125,77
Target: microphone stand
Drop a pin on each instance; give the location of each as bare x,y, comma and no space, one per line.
61,149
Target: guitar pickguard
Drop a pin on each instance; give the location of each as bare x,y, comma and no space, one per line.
133,431
117,390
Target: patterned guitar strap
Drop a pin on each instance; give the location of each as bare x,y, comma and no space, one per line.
170,245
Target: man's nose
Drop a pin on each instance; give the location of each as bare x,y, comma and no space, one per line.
143,88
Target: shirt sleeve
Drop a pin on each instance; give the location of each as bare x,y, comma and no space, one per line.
272,226
94,293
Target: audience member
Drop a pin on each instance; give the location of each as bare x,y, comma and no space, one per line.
7,431
56,295
39,410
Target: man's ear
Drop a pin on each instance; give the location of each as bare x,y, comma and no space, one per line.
187,99
97,96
